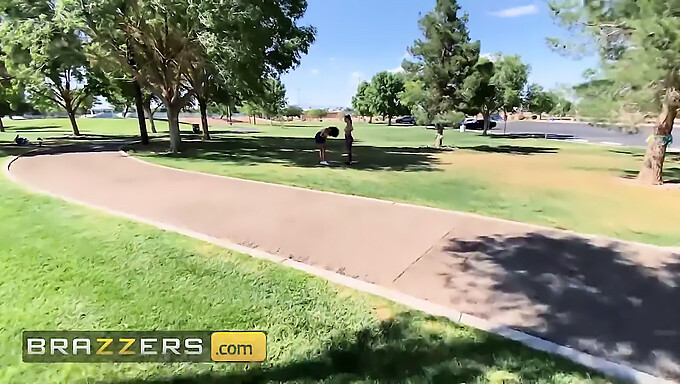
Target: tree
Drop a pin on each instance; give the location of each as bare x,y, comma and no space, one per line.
169,42
273,100
12,99
292,111
317,113
510,78
481,93
251,109
639,43
150,104
361,102
383,95
539,101
443,60
46,54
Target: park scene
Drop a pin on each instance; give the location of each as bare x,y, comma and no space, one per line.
426,192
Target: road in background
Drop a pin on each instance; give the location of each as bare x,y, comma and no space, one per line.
579,131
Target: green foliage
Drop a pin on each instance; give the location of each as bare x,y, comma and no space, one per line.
416,99
538,100
383,95
274,98
181,50
510,79
361,101
45,53
292,111
443,60
639,41
317,113
480,92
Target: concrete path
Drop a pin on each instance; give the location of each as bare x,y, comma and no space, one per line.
612,299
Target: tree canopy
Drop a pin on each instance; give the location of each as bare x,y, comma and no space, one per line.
45,53
443,59
177,49
639,43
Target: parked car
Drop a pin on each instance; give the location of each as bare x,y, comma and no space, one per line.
406,120
476,124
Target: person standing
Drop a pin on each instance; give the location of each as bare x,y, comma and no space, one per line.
349,139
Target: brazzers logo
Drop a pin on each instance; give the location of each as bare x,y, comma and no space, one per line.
140,346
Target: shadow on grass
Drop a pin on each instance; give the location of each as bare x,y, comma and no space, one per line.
512,149
594,297
65,144
400,350
671,174
301,152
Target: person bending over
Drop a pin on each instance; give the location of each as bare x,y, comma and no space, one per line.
320,139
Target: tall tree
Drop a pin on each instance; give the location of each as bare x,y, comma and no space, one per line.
481,93
510,78
273,99
361,102
292,111
46,54
383,95
639,43
538,100
443,59
169,40
12,99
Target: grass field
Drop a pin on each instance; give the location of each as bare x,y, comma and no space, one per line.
564,185
69,268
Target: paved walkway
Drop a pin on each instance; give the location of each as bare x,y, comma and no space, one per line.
612,299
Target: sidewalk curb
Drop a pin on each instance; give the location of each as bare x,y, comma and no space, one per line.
602,365
469,214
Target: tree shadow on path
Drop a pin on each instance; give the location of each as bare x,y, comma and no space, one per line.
591,297
408,348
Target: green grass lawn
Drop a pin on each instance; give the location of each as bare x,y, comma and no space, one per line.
64,267
564,185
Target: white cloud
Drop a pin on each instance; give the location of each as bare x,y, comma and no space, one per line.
398,69
517,11
315,71
406,56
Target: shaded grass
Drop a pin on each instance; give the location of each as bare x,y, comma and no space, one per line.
66,267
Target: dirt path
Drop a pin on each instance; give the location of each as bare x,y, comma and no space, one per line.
612,299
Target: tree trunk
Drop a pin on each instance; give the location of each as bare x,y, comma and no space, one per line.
141,121
2,126
149,115
389,120
370,119
72,119
229,114
125,111
173,127
487,117
652,165
203,106
152,123
254,122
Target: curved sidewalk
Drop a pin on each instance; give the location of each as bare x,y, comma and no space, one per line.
612,299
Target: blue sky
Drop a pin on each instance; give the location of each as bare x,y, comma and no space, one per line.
358,38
